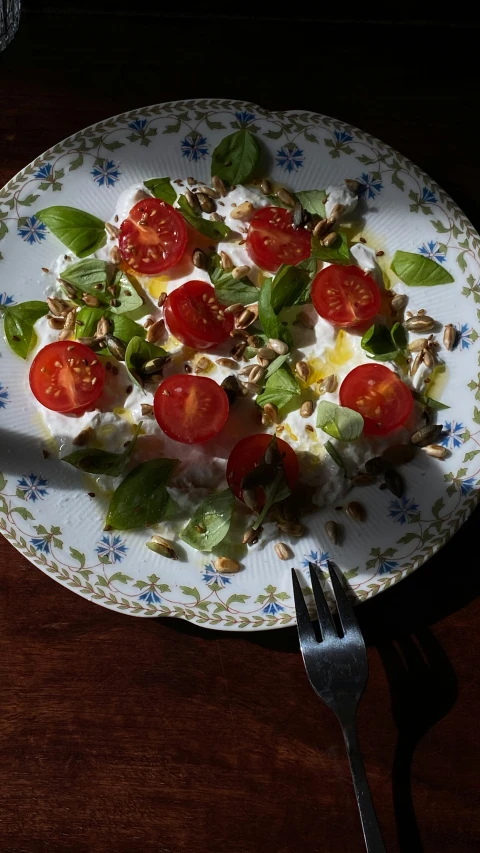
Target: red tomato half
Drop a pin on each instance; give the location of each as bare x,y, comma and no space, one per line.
272,240
345,295
194,315
190,409
153,237
379,395
247,454
66,377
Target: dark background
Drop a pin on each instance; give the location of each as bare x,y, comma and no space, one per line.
121,735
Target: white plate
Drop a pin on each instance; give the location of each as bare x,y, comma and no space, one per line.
58,527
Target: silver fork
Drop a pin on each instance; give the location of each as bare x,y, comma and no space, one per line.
337,668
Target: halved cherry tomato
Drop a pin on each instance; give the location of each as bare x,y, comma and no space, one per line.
272,240
248,453
194,315
66,377
345,295
153,237
190,409
379,395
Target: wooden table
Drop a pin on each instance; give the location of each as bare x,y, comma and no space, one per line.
122,735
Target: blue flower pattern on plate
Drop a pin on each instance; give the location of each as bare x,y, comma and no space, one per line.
245,118
31,230
41,543
151,596
464,336
428,197
403,510
4,396
290,157
211,576
433,251
6,300
452,435
386,566
370,186
105,173
318,557
342,136
139,124
33,486
194,147
111,548
44,172
467,486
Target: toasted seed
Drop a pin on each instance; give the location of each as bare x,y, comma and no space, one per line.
155,332
155,365
245,319
236,308
251,536
116,347
90,300
58,307
337,211
147,410
219,185
240,272
449,336
162,546
226,261
363,479
193,200
103,327
398,454
206,202
419,323
286,197
399,302
279,347
243,211
328,385
428,358
215,217
330,239
306,409
227,362
417,345
416,363
302,370
227,565
191,181
232,388
266,352
83,437
352,185
394,482
356,511
68,288
237,351
271,411
208,191
112,230
56,322
332,530
282,551
115,255
202,365
199,259
291,528
263,362
297,215
93,343
321,228
375,465
70,319
161,299
257,374
304,319
436,450
255,341
427,435
266,186
252,388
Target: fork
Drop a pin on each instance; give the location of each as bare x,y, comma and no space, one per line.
337,668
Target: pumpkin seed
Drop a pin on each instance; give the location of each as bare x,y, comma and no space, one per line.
398,454
199,259
449,336
332,530
282,551
155,332
226,565
328,385
116,347
419,323
161,546
427,435
279,347
375,465
306,409
356,511
271,411
394,482
436,450
219,185
302,370
286,197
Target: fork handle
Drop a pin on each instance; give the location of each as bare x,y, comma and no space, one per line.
371,830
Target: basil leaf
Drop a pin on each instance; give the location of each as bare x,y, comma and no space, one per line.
313,201
162,188
333,452
80,231
138,352
338,421
275,364
274,485
338,253
121,326
271,325
210,521
398,335
208,227
85,275
141,500
96,461
230,290
377,342
418,271
310,266
279,388
18,321
436,405
289,283
235,158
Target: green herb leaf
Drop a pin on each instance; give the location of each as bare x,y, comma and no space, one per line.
80,231
338,421
121,326
208,227
279,388
85,275
271,325
333,452
275,365
235,158
230,290
210,522
377,342
339,253
289,286
141,500
436,405
398,335
18,325
275,486
138,352
313,201
418,271
96,461
162,188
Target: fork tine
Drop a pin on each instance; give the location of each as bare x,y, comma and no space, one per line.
304,623
345,610
323,611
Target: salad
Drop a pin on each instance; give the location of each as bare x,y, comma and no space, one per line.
223,359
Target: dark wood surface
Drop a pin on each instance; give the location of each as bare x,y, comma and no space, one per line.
122,735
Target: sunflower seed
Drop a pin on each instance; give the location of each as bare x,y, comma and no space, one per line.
436,450
266,352
375,465
394,482
252,388
68,288
427,435
328,385
416,363
243,211
251,536
399,302
282,551
199,259
206,203
297,215
155,332
332,530
304,319
330,239
225,261
58,307
321,228
116,347
428,358
227,362
215,217
271,411
237,351
83,437
208,191
286,197
219,185
419,323
191,181
356,511
56,322
255,341
232,388
306,409
227,565
302,370
291,528
103,327
245,319
352,185
257,374
70,319
398,454
162,546
155,365
90,300
147,410
202,365
263,362
417,345
193,200
240,272
112,230
266,186
337,211
279,347
115,255
449,336
93,343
